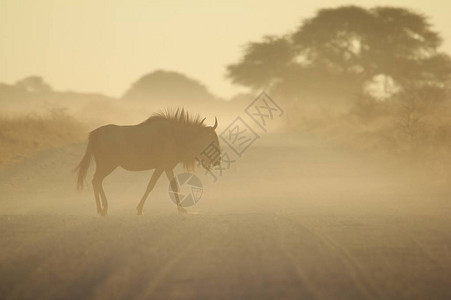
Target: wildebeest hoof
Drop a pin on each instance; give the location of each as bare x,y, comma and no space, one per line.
181,210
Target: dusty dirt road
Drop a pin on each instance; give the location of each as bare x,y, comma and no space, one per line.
299,221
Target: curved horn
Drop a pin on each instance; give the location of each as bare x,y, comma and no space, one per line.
216,123
201,122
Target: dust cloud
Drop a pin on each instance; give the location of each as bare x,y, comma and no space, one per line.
333,182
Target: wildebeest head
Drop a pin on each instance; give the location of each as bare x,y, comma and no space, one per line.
210,154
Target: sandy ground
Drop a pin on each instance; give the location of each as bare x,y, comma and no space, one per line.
297,221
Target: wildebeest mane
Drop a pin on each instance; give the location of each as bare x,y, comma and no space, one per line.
179,116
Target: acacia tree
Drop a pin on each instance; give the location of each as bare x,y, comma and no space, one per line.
170,88
341,50
263,63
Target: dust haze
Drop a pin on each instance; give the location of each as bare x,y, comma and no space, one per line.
333,182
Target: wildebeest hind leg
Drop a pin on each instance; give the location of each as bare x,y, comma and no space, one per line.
153,180
170,174
101,172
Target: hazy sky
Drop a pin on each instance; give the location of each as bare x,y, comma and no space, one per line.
104,46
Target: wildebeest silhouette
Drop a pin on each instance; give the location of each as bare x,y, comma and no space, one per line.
160,142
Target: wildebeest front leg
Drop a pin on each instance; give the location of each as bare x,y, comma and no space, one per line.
97,196
153,180
170,174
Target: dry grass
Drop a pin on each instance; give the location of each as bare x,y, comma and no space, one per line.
21,137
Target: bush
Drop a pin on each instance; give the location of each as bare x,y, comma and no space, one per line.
21,137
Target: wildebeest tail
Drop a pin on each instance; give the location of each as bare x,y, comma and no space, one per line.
82,168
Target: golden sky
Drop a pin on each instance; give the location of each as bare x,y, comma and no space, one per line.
104,46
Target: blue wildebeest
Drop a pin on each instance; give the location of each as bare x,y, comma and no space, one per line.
160,142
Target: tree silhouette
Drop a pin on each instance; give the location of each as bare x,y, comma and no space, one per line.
263,62
168,87
341,50
33,84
